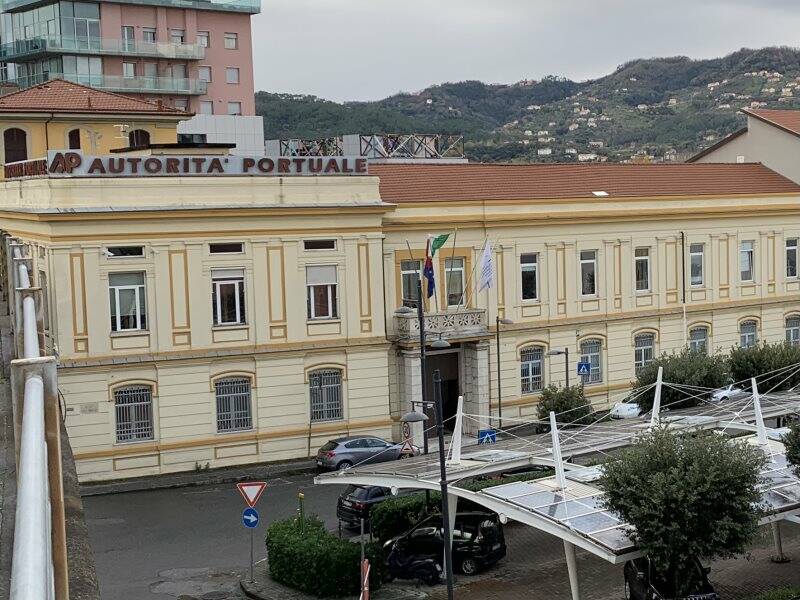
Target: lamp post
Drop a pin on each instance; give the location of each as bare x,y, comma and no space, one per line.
498,321
565,352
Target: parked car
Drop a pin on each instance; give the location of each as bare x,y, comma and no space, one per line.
729,392
478,541
625,410
343,453
642,582
356,501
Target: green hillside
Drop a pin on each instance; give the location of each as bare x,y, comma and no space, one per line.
663,108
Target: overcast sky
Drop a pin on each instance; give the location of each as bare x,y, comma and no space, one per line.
369,49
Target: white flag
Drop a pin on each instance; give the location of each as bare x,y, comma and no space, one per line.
486,267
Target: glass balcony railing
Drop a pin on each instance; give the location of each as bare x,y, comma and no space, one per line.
246,6
27,49
117,83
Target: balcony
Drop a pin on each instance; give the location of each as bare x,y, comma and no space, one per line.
24,50
117,83
242,6
465,323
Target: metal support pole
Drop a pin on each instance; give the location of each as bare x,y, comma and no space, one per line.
654,416
499,385
421,319
252,579
559,465
572,570
566,364
448,534
779,557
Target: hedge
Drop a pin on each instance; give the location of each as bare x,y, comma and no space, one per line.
312,560
569,404
761,359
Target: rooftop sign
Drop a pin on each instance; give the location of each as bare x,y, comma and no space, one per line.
76,164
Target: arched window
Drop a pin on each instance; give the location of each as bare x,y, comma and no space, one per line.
74,139
133,405
325,390
138,138
532,372
15,141
748,333
698,339
793,330
591,353
233,404
644,346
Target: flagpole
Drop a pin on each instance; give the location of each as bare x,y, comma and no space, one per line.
450,272
433,266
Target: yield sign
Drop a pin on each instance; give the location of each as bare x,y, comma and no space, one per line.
407,448
251,491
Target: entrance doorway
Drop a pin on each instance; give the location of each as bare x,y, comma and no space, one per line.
447,362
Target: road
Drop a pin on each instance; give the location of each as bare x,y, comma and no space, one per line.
137,535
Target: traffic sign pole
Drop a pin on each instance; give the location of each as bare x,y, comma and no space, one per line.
251,557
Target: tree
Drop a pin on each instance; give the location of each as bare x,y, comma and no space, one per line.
791,442
686,367
686,496
761,359
569,404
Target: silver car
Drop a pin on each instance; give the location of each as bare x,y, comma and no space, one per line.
343,453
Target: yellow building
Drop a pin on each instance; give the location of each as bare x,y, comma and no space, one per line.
246,310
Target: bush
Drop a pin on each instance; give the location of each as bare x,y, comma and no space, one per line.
569,404
312,560
757,360
685,367
791,442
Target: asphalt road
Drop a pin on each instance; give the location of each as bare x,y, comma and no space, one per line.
137,535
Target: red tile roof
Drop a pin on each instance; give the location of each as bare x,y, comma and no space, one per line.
788,120
451,182
62,96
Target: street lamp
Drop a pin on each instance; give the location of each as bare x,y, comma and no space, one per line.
565,352
499,321
448,558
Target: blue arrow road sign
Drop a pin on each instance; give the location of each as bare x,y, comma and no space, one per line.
584,368
250,518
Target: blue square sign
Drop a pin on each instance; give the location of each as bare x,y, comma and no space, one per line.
487,436
584,368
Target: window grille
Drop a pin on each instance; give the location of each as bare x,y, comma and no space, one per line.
532,375
326,394
233,404
590,352
644,349
793,330
134,411
748,334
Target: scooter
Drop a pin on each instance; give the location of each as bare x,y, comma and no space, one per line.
425,570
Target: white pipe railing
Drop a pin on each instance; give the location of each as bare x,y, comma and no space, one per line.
32,562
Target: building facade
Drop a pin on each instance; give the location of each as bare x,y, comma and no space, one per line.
212,319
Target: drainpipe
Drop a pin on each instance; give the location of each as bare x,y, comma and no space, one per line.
47,134
683,284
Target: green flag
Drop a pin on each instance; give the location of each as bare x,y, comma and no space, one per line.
438,242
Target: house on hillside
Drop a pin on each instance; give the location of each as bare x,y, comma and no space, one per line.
544,151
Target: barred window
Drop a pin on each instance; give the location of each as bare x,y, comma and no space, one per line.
133,405
590,353
698,339
532,373
793,330
233,404
748,333
325,388
643,349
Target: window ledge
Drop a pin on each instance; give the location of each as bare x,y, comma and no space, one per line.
232,326
129,333
135,442
235,431
324,320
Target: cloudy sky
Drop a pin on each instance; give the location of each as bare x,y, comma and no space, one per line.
369,49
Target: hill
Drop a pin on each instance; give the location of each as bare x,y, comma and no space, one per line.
659,109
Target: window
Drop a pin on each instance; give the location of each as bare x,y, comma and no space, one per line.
793,330
325,387
192,138
532,372
150,70
129,70
746,261
234,108
590,353
748,333
791,257
232,75
233,404
319,244
177,36
181,104
128,40
149,34
454,281
226,248
589,272
74,138
528,264
124,251
642,264
177,71
410,271
128,303
203,39
204,73
206,107
15,142
696,264
321,285
227,296
644,346
138,138
133,406
231,41
698,339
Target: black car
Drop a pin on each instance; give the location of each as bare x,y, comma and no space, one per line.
478,541
355,502
643,582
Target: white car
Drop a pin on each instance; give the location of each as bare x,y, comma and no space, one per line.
727,393
625,410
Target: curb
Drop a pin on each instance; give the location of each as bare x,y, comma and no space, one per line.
196,478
